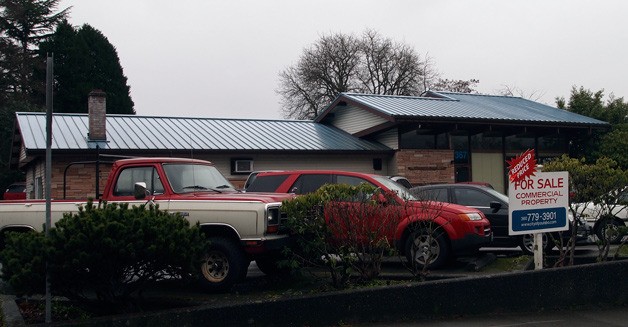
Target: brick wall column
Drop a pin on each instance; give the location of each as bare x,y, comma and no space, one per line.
97,107
422,167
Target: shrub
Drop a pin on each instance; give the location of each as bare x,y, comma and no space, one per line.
345,229
24,262
597,183
109,252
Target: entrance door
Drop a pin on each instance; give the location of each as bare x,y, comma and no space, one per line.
462,173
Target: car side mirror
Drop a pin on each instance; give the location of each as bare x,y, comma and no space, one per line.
139,190
495,206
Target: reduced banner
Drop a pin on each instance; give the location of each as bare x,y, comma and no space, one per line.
539,203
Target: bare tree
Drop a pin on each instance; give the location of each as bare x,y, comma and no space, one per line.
339,63
324,70
388,67
430,74
515,91
459,86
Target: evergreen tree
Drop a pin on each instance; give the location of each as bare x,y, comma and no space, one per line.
8,72
599,144
84,61
23,24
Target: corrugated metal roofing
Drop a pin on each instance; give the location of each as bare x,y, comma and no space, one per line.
477,107
130,132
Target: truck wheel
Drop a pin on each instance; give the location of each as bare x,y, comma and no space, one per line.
526,243
425,248
224,265
607,229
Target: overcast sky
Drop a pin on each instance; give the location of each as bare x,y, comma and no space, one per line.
221,59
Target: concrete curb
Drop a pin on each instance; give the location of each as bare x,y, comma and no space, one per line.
527,291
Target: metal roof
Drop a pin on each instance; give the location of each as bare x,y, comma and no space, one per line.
463,106
131,132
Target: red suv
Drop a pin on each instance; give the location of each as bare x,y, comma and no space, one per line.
15,191
465,229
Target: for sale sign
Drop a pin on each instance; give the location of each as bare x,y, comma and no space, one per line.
539,204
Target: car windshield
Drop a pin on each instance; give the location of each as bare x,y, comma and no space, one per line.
395,187
186,178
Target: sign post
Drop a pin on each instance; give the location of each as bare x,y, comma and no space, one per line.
538,202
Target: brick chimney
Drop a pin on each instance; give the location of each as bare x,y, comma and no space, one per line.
97,108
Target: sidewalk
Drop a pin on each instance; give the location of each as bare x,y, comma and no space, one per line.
580,317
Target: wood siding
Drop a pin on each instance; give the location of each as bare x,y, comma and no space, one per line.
354,120
389,138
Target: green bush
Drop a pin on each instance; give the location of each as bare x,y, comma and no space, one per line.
24,262
107,252
599,184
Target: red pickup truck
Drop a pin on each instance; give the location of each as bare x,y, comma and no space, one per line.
465,229
240,226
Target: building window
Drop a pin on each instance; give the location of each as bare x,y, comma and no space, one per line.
39,188
424,139
517,144
551,146
487,142
241,166
377,164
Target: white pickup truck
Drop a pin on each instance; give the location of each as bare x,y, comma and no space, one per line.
240,226
607,215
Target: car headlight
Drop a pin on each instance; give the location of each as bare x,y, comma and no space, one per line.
470,216
273,216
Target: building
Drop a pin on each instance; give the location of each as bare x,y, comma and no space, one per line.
438,137
444,137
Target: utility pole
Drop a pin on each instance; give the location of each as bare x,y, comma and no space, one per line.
49,81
